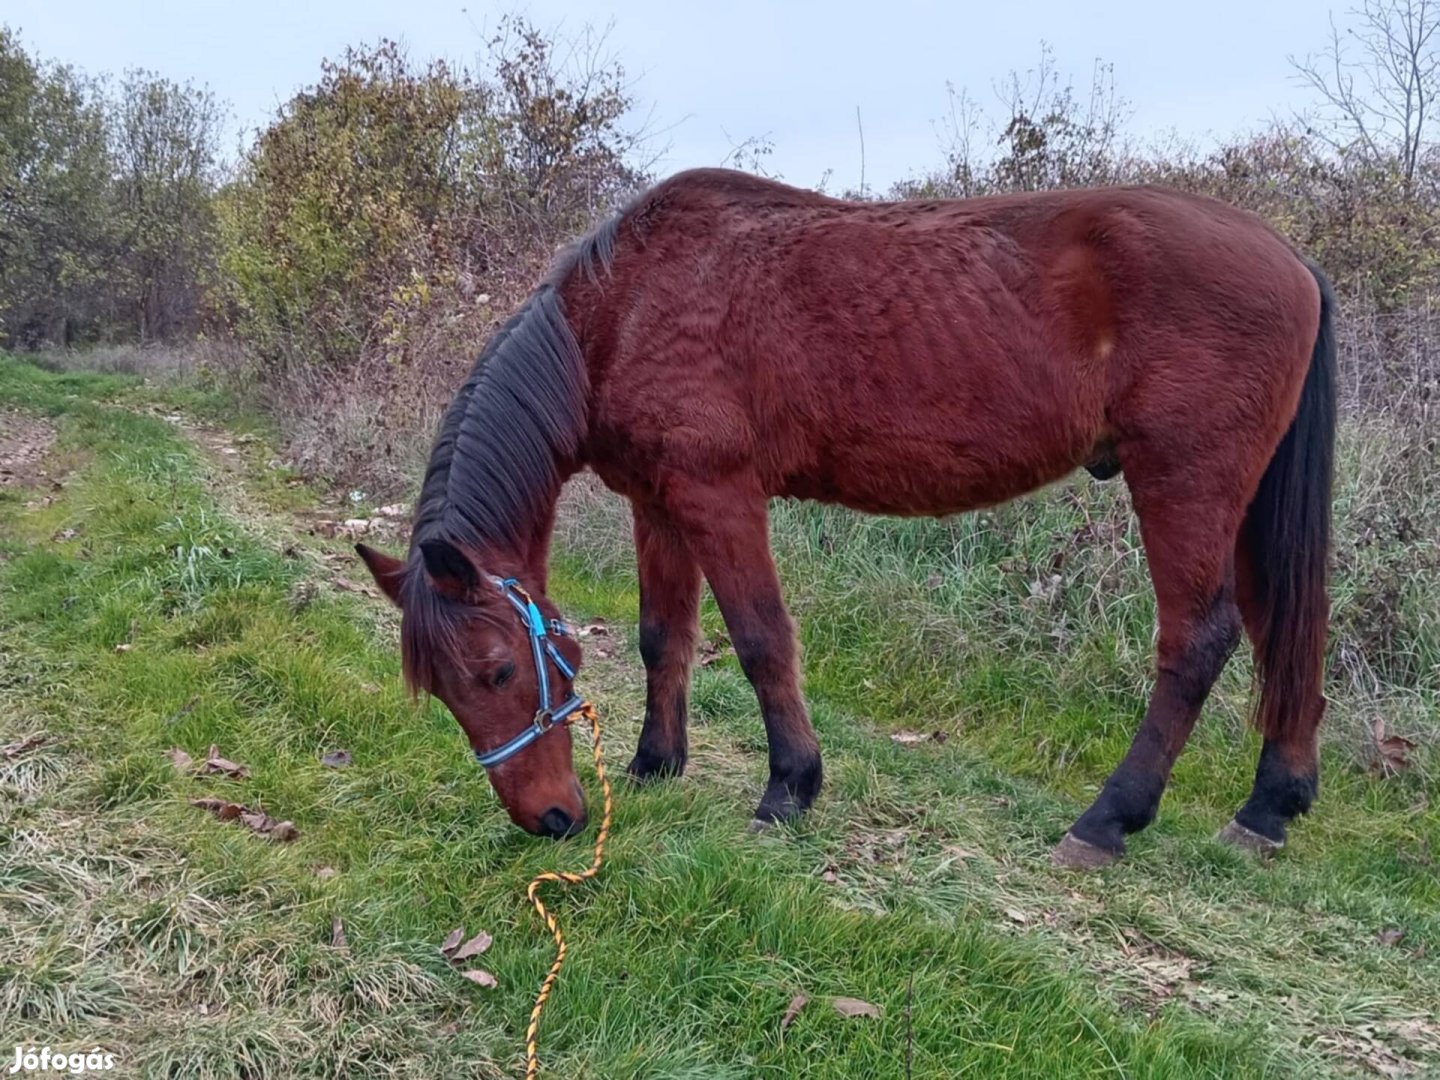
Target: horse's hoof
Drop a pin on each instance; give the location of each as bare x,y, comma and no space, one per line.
759,827
786,799
1249,840
1072,853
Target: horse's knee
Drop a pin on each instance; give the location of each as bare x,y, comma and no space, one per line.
654,637
765,650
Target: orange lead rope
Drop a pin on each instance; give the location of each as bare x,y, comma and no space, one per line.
532,1055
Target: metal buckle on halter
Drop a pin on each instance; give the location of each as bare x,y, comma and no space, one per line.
541,649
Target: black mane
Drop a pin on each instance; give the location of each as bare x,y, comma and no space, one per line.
495,467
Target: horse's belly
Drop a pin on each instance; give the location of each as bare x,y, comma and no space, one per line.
926,479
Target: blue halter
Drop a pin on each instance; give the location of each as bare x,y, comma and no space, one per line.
541,648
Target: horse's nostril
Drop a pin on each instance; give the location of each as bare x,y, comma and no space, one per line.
557,823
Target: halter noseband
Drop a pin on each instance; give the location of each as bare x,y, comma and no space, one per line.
541,648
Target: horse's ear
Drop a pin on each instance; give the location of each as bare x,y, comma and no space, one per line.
385,569
449,568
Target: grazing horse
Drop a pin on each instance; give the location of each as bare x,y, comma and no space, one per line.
725,340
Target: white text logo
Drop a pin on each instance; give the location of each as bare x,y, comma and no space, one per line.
42,1059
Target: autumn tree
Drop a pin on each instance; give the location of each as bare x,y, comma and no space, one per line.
56,232
164,140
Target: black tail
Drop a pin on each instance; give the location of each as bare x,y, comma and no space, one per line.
1287,538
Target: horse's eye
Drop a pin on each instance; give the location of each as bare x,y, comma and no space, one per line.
503,675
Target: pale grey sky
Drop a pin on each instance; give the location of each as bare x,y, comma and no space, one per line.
713,73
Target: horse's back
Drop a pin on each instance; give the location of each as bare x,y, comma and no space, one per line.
929,356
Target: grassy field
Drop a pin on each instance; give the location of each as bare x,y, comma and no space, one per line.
159,588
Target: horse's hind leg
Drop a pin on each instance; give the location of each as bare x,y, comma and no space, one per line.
669,627
727,528
1287,776
1189,529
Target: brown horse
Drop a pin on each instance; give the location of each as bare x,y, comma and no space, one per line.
725,340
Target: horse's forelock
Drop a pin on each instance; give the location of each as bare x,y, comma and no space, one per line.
432,630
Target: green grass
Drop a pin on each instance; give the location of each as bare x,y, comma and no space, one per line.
191,948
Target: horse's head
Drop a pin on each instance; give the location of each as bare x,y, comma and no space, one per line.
500,659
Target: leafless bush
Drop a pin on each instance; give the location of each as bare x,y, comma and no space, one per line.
1390,364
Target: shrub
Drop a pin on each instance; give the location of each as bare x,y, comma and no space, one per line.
390,200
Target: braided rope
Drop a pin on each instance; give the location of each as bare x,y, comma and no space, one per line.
532,1056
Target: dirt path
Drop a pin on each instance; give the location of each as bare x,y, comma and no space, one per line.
25,441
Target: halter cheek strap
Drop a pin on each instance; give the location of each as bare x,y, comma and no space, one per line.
544,653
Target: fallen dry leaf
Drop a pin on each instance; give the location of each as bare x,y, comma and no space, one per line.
848,1006
260,822
216,765
182,761
257,821
1391,935
1016,915
480,977
325,872
829,876
957,852
713,649
474,947
393,510
594,629
222,809
1392,755
284,831
1392,752
336,759
337,934
66,534
370,687
124,646
798,1002
452,940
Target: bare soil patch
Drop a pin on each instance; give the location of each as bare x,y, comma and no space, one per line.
24,442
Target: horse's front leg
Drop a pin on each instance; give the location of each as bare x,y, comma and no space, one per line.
669,627
728,530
